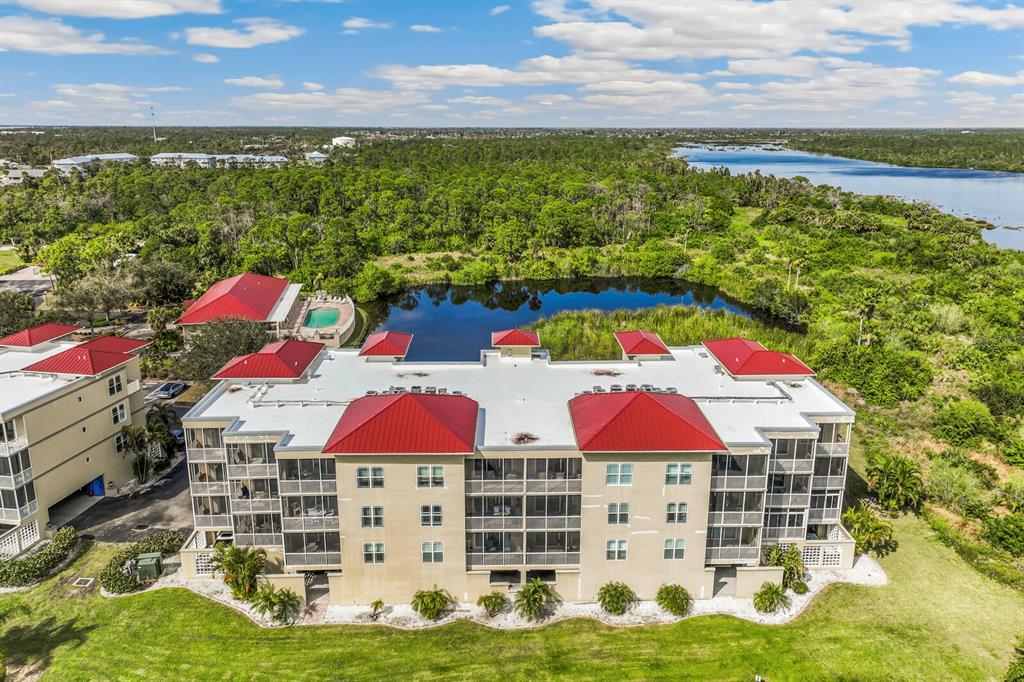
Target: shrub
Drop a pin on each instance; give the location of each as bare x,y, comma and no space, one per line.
240,567
799,587
986,474
791,562
896,480
675,599
40,564
493,603
377,606
616,598
957,489
870,531
282,605
1015,673
1012,493
431,604
534,599
770,598
114,578
962,422
1006,532
884,375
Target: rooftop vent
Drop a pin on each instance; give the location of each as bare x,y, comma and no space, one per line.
616,388
606,373
524,438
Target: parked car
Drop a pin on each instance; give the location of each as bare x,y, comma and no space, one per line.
170,390
178,434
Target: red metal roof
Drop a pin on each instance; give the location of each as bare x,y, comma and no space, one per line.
41,333
248,296
278,360
386,344
641,422
406,423
743,357
79,361
515,337
641,343
115,344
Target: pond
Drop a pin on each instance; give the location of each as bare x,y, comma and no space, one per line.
455,322
992,196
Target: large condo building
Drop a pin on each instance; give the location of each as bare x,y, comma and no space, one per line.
384,476
63,405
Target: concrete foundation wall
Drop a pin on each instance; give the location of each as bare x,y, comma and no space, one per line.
749,580
296,582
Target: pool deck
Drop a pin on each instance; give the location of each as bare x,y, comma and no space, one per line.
335,334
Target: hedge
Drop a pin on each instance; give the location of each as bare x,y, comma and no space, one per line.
38,565
113,577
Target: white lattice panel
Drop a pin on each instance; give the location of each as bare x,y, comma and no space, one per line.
203,566
9,547
29,534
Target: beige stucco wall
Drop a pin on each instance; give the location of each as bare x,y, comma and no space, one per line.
287,581
750,579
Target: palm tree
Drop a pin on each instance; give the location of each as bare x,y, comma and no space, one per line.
770,598
137,440
867,529
240,567
791,562
896,480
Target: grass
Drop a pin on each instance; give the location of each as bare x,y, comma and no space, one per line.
938,619
9,261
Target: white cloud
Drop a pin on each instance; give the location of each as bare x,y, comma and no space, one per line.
254,32
480,101
972,101
728,85
255,82
310,86
980,79
52,36
347,101
204,58
105,103
122,9
499,9
356,24
425,28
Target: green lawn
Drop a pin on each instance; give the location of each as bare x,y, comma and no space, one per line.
9,261
937,620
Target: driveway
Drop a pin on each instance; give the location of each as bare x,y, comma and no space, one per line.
163,506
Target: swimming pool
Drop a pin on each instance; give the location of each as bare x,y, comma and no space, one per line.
321,317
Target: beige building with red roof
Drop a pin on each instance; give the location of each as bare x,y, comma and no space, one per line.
63,405
273,301
373,477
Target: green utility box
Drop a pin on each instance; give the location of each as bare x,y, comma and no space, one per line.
149,567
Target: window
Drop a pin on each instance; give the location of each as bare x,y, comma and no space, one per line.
429,477
825,499
678,474
373,552
120,443
114,385
616,550
618,512
430,515
370,477
26,494
433,552
618,474
675,549
372,517
118,414
676,512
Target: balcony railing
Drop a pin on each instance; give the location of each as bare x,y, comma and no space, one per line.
313,559
10,515
828,482
494,487
787,499
791,466
10,447
212,521
270,504
259,539
735,518
552,522
555,485
832,449
797,533
206,454
494,559
552,558
210,488
133,387
727,554
823,515
16,480
311,523
263,470
739,482
311,487
494,523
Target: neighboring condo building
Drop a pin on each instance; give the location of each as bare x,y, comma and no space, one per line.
85,160
63,405
271,300
384,476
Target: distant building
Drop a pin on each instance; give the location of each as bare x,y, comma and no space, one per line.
343,142
233,160
183,159
80,162
316,158
16,176
272,300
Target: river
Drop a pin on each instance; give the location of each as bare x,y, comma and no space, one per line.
455,322
992,196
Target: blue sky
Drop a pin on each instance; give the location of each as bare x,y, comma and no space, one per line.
542,63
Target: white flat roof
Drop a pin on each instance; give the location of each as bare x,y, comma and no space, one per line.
516,396
279,313
18,388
